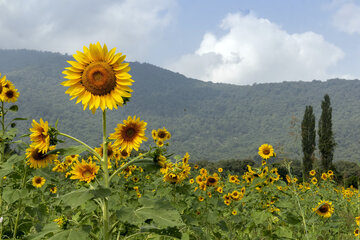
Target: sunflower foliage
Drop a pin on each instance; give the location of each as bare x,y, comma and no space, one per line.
118,190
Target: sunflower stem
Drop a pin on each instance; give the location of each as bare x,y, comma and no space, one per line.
2,157
90,149
20,202
104,164
127,164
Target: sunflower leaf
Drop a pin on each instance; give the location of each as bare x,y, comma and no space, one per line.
14,108
77,197
72,150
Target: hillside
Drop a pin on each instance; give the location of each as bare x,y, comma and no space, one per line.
210,121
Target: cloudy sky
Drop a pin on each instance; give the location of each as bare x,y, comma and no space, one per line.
229,41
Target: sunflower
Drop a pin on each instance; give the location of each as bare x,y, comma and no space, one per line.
70,159
162,134
312,172
37,159
53,190
110,150
2,86
357,220
357,232
201,198
160,143
130,134
40,135
38,181
191,181
234,212
220,170
186,158
324,176
124,154
203,171
266,151
324,209
219,189
196,166
10,94
98,78
314,180
211,181
84,171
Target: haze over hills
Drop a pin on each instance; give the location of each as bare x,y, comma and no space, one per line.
209,120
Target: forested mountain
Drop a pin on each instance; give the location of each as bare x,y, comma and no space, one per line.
209,120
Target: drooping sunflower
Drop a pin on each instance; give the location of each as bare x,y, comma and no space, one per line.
38,181
37,159
10,94
110,150
98,78
84,171
130,134
266,151
324,209
40,135
2,87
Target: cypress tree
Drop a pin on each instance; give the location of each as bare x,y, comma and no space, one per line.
308,135
326,139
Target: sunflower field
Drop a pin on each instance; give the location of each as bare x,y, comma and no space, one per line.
118,191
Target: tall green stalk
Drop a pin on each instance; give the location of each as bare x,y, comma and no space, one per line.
104,165
2,156
20,203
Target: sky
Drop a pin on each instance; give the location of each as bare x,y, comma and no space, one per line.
227,41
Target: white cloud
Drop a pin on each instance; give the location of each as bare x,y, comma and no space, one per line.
347,18
65,26
256,50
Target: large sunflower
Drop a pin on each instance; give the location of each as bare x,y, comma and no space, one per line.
324,209
37,159
98,78
266,151
84,171
130,134
40,135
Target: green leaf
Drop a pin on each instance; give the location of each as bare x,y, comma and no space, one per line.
160,211
47,229
70,235
73,150
283,232
12,195
19,119
14,108
77,197
100,192
172,232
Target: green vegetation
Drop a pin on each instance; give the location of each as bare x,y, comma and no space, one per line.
212,121
326,140
308,135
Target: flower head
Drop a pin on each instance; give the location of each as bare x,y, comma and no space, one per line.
84,171
40,135
130,134
324,209
37,159
38,181
98,78
266,151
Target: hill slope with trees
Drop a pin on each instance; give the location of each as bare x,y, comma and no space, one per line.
211,121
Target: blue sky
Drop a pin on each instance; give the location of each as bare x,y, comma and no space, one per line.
230,41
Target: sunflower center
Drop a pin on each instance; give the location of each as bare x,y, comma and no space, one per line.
38,156
162,134
324,209
124,153
110,152
87,173
99,78
38,180
130,132
9,94
266,151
